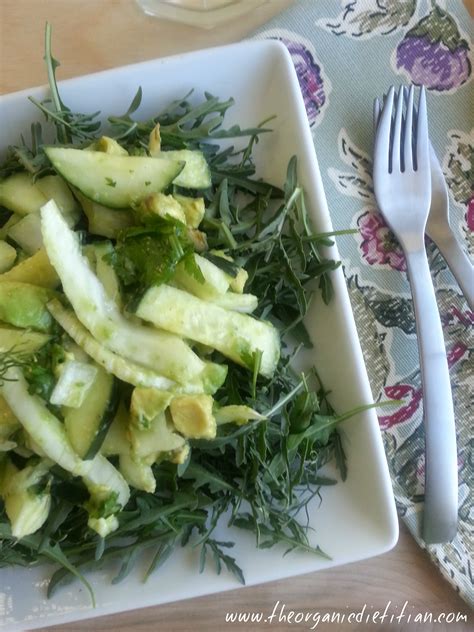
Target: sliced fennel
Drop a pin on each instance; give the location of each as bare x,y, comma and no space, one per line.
49,434
161,351
73,384
235,335
125,370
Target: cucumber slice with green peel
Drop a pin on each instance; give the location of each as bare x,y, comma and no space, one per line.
87,425
160,351
235,335
18,193
111,180
196,173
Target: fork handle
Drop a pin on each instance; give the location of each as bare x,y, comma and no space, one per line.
459,264
441,472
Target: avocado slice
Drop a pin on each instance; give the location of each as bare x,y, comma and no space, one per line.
24,305
193,417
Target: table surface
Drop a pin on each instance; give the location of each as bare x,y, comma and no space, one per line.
90,36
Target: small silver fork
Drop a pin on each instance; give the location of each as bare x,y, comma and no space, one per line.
402,185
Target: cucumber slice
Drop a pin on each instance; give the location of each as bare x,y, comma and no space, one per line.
111,180
87,425
196,173
235,335
19,194
35,270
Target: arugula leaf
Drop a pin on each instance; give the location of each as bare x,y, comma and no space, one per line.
220,558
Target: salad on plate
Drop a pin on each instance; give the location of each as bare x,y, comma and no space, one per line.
153,293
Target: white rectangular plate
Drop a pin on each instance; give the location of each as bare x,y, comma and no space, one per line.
356,519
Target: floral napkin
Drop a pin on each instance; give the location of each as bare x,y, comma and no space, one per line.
345,54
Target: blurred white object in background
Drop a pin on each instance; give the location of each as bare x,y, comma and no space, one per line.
203,13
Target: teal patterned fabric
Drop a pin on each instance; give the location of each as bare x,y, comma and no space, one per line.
345,54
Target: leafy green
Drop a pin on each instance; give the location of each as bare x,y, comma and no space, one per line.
148,255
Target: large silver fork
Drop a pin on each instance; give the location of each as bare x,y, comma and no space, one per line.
402,185
438,225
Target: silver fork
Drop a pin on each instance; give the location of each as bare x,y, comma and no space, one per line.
439,229
402,185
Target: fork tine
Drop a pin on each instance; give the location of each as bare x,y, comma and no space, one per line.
382,136
397,133
408,142
422,141
377,109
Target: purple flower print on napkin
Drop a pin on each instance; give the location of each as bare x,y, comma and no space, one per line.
378,243
433,53
470,215
314,84
309,77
